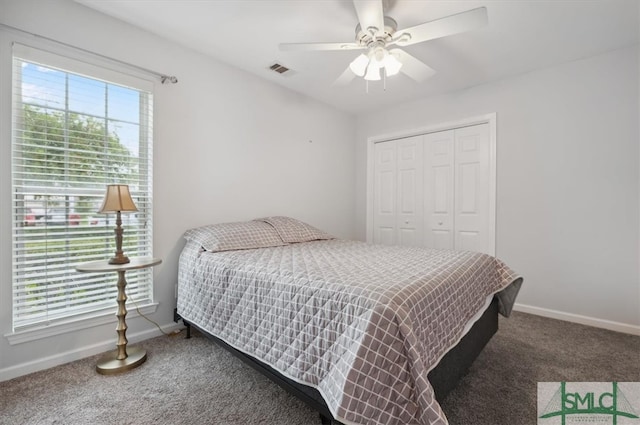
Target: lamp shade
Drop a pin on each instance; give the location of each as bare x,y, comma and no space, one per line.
391,65
373,71
359,65
117,199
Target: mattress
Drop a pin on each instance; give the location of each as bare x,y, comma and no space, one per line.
362,323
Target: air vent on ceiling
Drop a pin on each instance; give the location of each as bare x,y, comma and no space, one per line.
280,69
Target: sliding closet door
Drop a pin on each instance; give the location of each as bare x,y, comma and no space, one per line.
439,190
436,190
472,189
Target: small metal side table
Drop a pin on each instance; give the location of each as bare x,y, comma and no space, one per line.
120,360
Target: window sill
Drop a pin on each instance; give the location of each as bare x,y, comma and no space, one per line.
73,324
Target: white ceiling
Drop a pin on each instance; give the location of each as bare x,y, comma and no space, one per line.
522,35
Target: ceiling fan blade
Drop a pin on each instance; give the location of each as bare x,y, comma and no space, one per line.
345,78
318,46
412,67
453,24
370,14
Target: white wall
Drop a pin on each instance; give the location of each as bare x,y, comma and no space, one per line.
227,146
568,181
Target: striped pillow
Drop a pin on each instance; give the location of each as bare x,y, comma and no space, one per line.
293,231
234,236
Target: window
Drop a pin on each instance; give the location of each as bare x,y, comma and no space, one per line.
76,128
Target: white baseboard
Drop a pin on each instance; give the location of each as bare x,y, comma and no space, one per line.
79,353
576,318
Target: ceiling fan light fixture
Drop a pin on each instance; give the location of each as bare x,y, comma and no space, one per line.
359,65
376,33
391,65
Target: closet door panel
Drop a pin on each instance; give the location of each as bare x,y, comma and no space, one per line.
410,192
439,190
385,193
472,188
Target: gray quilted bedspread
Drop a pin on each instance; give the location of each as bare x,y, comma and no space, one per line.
362,323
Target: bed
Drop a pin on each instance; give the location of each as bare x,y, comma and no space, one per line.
357,330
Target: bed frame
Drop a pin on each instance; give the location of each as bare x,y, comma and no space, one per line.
444,377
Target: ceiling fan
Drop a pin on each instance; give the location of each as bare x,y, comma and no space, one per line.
376,33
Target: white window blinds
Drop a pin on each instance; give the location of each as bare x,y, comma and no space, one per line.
76,128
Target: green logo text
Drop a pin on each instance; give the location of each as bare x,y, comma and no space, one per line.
612,403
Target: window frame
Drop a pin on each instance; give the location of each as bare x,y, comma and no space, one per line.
98,69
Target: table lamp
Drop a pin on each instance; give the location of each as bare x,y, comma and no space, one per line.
117,200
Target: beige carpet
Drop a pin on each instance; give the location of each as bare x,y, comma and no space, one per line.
194,382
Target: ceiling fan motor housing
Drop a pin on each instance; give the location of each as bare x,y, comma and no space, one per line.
369,37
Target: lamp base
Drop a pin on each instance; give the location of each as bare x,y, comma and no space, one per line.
109,365
122,259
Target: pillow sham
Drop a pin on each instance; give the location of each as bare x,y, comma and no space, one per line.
293,231
234,236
